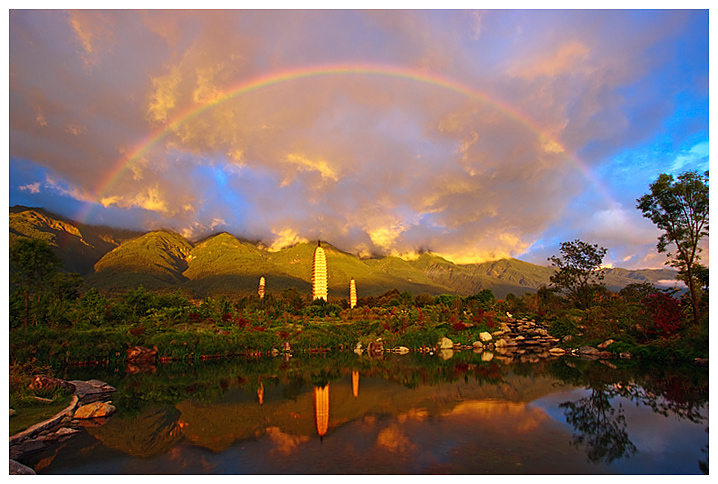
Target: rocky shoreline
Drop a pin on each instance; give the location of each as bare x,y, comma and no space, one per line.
87,403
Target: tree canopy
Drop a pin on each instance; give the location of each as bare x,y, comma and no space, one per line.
679,207
578,270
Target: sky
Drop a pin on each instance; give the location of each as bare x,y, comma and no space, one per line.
475,135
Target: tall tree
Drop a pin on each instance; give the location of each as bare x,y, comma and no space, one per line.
680,209
33,265
578,270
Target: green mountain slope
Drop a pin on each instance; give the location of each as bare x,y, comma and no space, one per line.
223,264
114,259
155,260
79,246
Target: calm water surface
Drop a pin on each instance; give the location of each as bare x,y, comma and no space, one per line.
413,414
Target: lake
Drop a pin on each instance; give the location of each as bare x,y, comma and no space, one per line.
411,414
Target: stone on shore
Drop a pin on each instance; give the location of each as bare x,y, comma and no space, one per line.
17,469
485,337
606,344
92,390
446,344
94,410
44,382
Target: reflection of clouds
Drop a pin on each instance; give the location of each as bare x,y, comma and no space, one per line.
418,414
285,443
393,440
505,416
183,458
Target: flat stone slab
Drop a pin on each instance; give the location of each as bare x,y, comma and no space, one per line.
92,390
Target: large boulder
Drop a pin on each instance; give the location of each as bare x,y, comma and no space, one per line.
44,382
92,390
446,344
94,410
485,337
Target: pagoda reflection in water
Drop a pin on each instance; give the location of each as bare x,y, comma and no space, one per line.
321,409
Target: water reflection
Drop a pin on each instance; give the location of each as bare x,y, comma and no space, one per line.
415,414
321,409
600,426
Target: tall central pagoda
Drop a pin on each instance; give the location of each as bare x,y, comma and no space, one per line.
319,274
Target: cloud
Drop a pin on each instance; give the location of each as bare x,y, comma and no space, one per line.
150,112
285,238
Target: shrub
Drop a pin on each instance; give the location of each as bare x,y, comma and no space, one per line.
562,327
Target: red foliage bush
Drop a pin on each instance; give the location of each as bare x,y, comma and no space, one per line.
667,314
459,326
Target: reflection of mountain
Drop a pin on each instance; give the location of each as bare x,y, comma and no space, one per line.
154,432
289,422
220,264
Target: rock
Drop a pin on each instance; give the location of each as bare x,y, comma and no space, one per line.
13,412
606,344
138,354
376,346
141,360
557,351
501,343
18,452
44,382
477,345
567,338
400,350
487,356
17,469
588,350
698,361
485,337
94,410
445,344
92,390
274,352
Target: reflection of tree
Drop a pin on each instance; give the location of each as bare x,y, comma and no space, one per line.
599,426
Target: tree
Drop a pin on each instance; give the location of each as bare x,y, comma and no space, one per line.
33,266
579,270
680,209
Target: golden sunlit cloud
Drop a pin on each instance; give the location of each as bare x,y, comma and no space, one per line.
164,95
150,200
304,163
285,238
206,91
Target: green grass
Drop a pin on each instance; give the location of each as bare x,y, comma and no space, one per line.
31,411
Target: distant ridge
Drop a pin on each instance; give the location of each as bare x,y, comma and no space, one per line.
117,260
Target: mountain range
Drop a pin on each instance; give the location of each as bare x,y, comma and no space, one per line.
115,260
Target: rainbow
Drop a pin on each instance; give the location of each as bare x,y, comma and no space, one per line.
273,79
